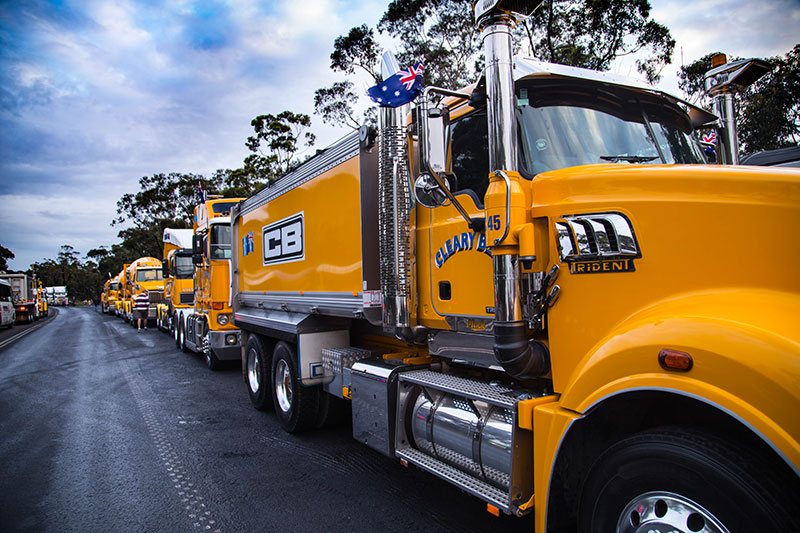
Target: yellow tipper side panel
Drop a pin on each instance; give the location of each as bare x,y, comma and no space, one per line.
331,236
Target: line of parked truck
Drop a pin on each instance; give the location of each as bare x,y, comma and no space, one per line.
22,299
189,293
533,288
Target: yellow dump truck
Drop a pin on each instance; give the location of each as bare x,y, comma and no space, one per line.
110,294
122,292
143,274
539,292
207,327
41,299
178,271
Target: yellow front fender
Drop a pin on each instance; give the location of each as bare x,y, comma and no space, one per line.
745,346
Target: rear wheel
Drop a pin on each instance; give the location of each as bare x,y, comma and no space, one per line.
257,371
681,480
296,406
176,322
182,337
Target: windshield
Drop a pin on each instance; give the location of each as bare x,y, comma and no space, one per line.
564,124
113,286
149,274
220,245
223,207
184,267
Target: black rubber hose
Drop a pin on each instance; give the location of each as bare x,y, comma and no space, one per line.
520,358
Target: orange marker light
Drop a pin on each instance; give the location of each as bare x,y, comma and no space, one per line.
217,305
492,509
675,360
718,59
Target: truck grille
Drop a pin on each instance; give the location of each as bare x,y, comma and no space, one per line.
156,297
186,298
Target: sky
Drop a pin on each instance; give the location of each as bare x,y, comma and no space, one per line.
95,94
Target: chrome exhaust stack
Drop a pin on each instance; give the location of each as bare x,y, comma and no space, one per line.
518,356
722,83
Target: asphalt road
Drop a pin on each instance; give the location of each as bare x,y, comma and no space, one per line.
103,428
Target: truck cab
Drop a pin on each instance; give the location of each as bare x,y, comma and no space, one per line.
527,290
178,272
7,314
144,274
209,328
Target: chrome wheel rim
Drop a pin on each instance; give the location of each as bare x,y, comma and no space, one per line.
253,363
283,386
666,511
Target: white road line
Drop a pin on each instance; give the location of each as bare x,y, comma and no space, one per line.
29,330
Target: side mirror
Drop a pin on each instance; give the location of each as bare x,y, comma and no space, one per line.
428,192
197,249
434,140
165,269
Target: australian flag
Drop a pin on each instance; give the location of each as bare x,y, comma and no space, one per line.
247,244
399,88
201,195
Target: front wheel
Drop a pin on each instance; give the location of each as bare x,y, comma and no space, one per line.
684,481
296,406
212,361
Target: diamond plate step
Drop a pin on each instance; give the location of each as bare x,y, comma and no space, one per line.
467,483
474,390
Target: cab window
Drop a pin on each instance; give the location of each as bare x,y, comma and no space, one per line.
470,146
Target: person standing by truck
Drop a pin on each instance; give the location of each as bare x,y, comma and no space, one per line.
141,304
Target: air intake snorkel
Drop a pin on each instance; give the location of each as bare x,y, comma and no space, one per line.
507,204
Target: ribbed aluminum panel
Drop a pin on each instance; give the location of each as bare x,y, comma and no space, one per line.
474,390
332,303
333,155
464,481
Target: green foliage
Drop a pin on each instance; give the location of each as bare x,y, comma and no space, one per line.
275,142
441,33
357,50
768,111
770,114
593,33
163,197
5,255
335,104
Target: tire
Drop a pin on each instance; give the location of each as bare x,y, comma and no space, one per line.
673,479
296,407
212,361
257,373
176,323
182,337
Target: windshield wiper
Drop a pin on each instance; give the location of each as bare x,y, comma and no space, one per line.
628,158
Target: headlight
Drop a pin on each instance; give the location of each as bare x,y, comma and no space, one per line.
230,340
223,319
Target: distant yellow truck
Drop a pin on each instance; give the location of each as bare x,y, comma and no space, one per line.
178,272
144,273
208,327
110,295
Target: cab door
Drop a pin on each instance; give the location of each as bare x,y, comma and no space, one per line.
455,285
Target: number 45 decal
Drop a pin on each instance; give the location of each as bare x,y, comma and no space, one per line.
494,223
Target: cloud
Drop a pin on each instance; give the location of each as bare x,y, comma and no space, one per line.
95,94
